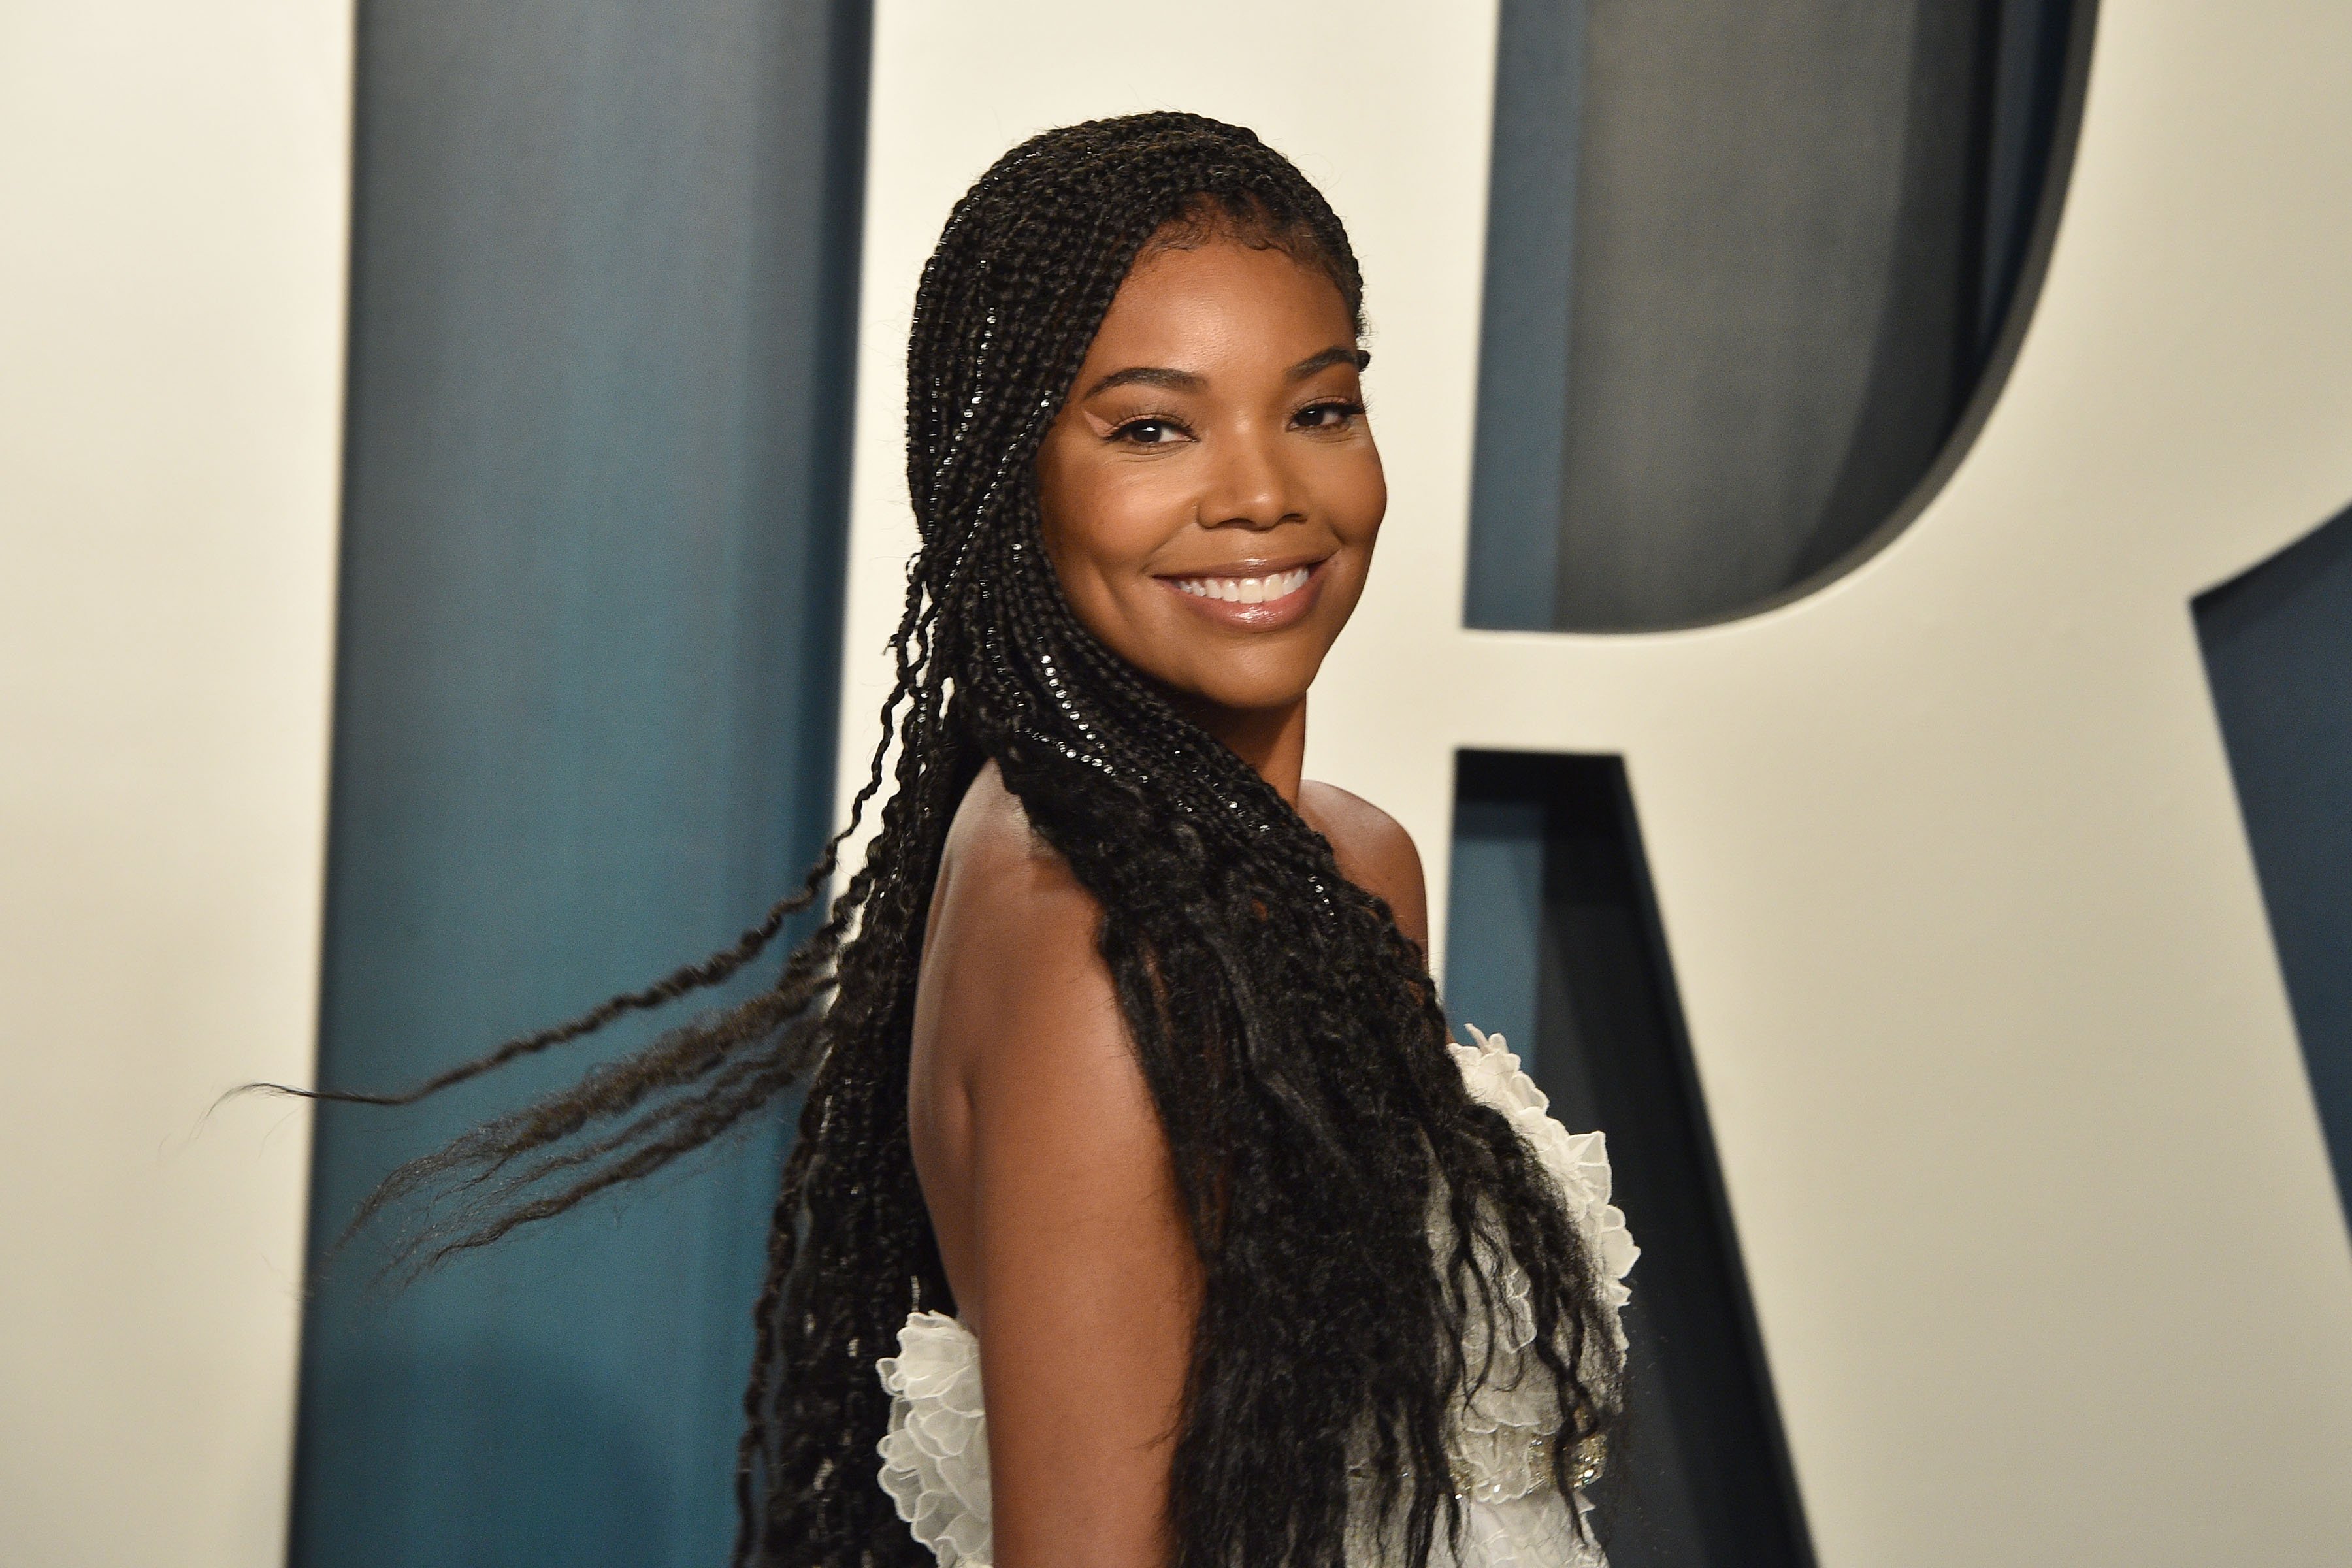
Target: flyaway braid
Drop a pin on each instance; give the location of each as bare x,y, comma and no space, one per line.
1290,1036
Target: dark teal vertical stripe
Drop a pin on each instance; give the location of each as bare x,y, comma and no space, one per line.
1494,913
1523,345
604,288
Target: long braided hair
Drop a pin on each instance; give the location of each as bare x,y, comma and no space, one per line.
1290,1036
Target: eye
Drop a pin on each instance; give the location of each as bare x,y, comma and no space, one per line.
1332,414
1151,430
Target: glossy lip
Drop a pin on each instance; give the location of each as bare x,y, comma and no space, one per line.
1270,615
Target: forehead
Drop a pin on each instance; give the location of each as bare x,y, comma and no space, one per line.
1224,292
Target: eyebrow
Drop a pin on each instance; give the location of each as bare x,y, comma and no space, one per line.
1185,381
1150,375
1334,354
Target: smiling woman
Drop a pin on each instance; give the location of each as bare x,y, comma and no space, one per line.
1132,1118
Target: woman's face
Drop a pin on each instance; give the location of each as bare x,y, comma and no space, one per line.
1211,491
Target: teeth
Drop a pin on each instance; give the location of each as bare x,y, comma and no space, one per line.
1247,590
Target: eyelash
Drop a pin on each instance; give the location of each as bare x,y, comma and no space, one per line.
1129,426
1348,406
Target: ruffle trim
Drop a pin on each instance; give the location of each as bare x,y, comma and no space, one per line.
935,1454
1576,1162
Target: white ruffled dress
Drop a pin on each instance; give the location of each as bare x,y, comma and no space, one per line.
935,1454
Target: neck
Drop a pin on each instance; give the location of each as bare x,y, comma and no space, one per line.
1271,740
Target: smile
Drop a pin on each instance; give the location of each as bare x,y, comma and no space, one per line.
1252,595
1263,589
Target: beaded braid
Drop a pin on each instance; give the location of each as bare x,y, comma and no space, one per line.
1289,1034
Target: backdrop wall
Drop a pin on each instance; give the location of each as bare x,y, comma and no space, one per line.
171,383
2023,1155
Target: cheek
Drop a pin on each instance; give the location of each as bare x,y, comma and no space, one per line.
1092,549
1069,516
1102,528
1357,500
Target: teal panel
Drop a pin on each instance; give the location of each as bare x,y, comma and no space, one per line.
602,295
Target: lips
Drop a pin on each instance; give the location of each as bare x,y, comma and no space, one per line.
1252,596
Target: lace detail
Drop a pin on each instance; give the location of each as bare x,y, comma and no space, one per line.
935,1454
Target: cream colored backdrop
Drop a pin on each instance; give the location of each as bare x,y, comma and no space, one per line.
2049,1263
2048,1260
172,269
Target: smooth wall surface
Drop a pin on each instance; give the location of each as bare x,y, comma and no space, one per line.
2020,1148
172,279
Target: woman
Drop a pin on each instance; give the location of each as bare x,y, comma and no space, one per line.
1131,1116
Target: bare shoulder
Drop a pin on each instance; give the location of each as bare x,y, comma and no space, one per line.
1017,924
1350,820
1374,852
1015,1006
991,836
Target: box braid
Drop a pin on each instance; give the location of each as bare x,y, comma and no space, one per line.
1289,1034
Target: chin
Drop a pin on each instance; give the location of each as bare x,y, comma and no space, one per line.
1235,680
1250,695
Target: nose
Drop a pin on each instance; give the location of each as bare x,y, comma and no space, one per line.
1248,484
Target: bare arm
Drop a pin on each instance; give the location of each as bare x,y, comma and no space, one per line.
1048,1176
